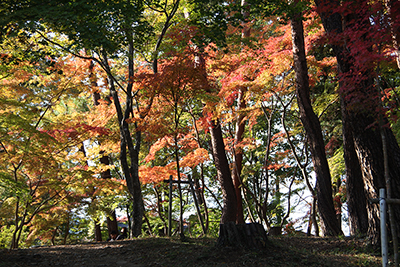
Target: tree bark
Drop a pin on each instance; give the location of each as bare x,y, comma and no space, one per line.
129,152
313,130
112,224
238,157
230,233
356,194
199,189
132,181
250,235
240,127
223,174
361,132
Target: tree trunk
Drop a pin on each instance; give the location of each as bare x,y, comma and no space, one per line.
313,130
129,154
112,224
366,138
14,242
97,227
240,127
360,215
199,189
223,174
178,172
97,231
232,234
250,235
356,194
368,145
238,157
313,218
132,181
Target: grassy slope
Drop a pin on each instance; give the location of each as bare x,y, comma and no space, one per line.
280,251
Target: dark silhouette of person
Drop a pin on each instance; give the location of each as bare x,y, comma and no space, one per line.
113,236
123,235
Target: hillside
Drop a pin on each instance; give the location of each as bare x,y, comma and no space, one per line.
280,251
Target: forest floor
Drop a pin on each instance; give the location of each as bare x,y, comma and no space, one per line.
280,251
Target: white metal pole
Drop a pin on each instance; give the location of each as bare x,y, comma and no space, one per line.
382,210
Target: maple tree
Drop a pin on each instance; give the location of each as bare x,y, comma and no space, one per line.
176,84
245,69
185,88
31,142
112,32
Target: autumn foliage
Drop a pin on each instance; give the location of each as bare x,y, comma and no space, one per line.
53,135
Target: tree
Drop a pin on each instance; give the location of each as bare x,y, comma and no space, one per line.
313,129
32,140
124,26
239,131
212,28
181,77
223,174
363,145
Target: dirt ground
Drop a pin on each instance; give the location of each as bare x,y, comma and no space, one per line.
280,251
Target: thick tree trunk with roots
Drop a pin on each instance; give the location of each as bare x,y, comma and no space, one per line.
314,134
232,234
250,235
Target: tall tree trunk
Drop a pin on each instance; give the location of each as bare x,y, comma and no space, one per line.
178,171
313,130
14,243
112,224
356,194
231,234
223,174
129,152
360,213
240,127
133,182
362,122
238,156
97,226
199,189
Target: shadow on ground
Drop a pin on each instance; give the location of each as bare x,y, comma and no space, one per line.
280,251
